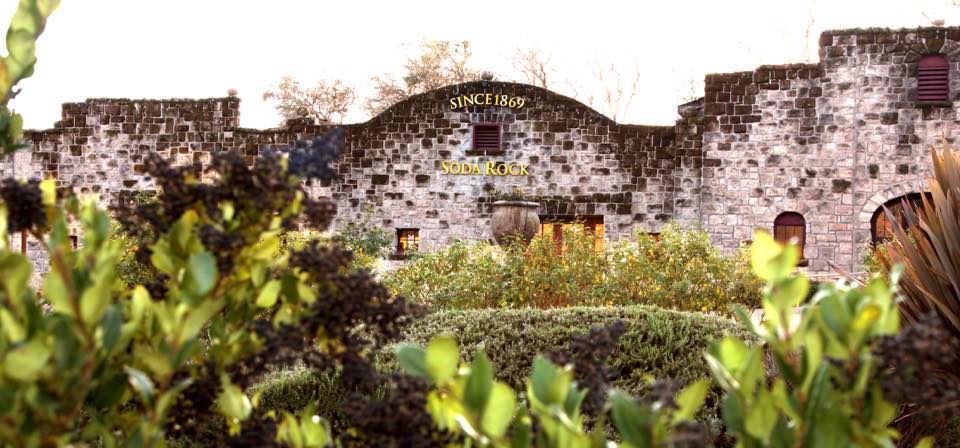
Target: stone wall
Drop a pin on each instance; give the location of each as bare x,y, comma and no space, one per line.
831,141
579,162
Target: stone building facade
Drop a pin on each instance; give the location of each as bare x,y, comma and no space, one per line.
830,142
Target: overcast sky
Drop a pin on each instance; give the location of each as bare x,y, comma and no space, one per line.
200,48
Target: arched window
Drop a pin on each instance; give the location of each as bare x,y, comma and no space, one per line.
933,79
881,228
791,225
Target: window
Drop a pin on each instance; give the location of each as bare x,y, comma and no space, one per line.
486,137
73,241
881,228
933,79
554,226
791,226
408,241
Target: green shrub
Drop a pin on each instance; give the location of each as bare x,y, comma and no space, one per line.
826,391
680,270
108,364
657,344
468,401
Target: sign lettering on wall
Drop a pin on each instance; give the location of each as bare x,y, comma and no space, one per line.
486,169
486,99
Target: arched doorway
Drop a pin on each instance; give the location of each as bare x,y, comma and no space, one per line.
881,228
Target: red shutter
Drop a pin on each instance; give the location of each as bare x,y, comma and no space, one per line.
933,79
486,136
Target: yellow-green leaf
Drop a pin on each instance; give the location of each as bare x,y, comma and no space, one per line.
690,399
499,410
25,362
442,358
48,190
268,294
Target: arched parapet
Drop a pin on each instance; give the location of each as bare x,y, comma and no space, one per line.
882,197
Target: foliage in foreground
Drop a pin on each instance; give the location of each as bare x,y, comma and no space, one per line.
680,270
825,392
27,24
468,401
654,343
927,245
111,364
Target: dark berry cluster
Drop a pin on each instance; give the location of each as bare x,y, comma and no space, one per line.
350,300
588,354
257,194
398,420
920,366
24,203
311,160
688,434
220,242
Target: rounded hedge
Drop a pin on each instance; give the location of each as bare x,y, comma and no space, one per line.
658,344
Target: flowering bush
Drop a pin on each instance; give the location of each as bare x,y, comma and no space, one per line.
681,270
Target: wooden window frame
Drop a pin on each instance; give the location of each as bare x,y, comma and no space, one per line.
792,219
589,222
401,232
914,200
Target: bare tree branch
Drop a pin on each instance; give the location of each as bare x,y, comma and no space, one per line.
325,102
533,65
439,63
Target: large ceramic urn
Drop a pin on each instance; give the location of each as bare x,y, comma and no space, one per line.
514,220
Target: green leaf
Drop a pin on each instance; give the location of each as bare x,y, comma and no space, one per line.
8,397
268,294
21,50
479,383
791,292
690,399
199,316
48,190
783,400
141,383
813,351
201,275
139,303
110,391
161,256
25,362
26,18
442,358
771,261
926,442
110,325
499,411
631,420
542,379
15,270
46,7
11,327
762,416
94,300
413,360
232,402
315,431
866,317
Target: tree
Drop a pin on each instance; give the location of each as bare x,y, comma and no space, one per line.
325,102
533,65
440,63
612,92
